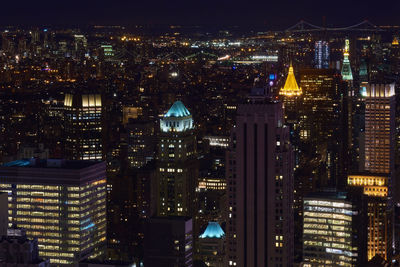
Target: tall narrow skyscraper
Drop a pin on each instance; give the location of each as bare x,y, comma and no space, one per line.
378,182
321,56
82,125
260,186
347,74
379,128
176,169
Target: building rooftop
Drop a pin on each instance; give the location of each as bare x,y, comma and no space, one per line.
290,88
178,109
213,230
51,163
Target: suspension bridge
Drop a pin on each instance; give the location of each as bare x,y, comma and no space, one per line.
304,26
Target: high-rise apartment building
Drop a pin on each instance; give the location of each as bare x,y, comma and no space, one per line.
176,168
260,186
83,126
61,203
334,229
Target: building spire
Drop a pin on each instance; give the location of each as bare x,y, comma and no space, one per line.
347,75
291,88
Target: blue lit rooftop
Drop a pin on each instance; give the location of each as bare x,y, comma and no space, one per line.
213,230
178,109
50,163
17,163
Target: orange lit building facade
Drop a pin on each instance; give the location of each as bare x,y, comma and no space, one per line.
376,187
377,183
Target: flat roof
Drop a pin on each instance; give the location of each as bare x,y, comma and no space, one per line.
51,163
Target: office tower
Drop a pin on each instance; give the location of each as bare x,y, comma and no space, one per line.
168,242
379,128
140,141
20,251
347,74
176,168
212,245
260,186
378,182
380,213
3,213
334,229
83,126
61,203
320,126
291,96
321,56
395,56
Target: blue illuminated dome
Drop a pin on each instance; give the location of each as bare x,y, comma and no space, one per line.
178,109
213,230
177,119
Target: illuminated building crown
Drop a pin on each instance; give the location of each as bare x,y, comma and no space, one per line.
213,230
346,72
177,119
291,88
395,41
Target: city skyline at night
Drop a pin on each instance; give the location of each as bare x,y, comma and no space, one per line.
194,134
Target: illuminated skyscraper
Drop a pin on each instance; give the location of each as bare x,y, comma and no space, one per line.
260,186
83,126
320,124
212,245
380,214
334,230
379,182
176,168
290,88
346,68
379,128
61,203
321,56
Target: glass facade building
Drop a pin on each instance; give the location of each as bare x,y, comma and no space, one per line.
329,235
61,203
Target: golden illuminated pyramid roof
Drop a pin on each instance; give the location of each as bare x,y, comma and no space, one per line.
395,41
291,88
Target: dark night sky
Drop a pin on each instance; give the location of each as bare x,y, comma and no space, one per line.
273,14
